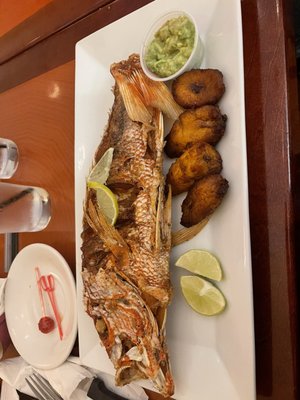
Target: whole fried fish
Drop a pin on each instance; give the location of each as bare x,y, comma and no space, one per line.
125,268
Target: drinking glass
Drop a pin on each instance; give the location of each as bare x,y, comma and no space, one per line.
9,158
23,208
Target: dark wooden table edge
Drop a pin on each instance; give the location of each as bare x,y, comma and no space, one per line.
269,345
47,21
59,48
61,43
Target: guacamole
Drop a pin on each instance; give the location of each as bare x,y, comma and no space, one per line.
171,47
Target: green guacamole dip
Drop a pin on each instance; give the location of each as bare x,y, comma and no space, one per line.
171,47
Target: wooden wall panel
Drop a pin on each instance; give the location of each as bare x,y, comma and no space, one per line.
55,16
38,115
13,12
59,48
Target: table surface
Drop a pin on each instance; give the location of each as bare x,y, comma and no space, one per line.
37,57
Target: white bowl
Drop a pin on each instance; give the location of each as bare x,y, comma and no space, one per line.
195,59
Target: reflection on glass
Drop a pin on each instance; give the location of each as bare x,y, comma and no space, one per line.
9,158
23,208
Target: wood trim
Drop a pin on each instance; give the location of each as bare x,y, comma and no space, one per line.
269,136
14,12
50,19
59,48
293,115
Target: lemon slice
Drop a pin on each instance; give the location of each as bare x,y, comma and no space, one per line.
202,296
107,201
201,262
100,171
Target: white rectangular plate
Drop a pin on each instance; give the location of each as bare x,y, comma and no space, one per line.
212,357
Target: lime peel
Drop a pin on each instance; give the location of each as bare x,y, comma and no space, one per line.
107,201
100,171
202,296
201,262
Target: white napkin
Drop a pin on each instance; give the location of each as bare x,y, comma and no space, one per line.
71,380
2,285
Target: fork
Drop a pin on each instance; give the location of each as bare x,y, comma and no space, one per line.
42,388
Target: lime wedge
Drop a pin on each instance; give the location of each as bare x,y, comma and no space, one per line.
107,201
101,170
201,262
202,296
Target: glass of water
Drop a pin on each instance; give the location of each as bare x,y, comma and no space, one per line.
23,208
9,158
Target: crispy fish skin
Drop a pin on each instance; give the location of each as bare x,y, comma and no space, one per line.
133,168
203,198
198,87
125,268
126,327
204,124
132,164
197,161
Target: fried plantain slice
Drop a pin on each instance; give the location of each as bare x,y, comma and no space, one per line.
204,124
197,161
203,198
198,87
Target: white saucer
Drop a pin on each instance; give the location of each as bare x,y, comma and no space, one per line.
23,309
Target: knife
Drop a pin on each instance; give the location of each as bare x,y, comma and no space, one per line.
98,391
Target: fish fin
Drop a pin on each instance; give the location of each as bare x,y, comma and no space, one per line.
166,225
157,95
123,72
160,128
108,234
134,102
141,94
158,221
161,318
186,234
160,212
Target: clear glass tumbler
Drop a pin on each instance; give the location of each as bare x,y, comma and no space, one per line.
23,208
9,158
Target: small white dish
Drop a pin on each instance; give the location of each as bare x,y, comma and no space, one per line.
195,59
23,308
